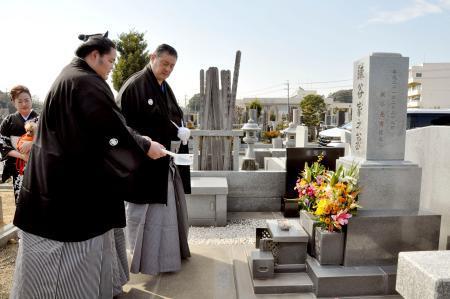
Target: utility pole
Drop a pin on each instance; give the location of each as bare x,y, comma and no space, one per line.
288,108
185,107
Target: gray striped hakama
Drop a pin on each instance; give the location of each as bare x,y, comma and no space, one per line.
96,268
157,233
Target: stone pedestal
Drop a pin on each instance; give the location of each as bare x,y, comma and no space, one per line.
291,244
207,203
424,274
376,237
387,184
277,142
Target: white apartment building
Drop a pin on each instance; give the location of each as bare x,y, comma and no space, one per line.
429,86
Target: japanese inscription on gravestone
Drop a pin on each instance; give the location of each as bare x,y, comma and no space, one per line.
360,103
379,107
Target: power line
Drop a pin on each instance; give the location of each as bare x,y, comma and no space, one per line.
325,82
261,89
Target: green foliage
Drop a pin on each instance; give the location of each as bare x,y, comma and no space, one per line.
132,57
281,126
313,106
194,103
256,105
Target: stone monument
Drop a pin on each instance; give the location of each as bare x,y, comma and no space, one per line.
390,221
379,131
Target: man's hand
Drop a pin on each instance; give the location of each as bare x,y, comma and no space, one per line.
155,151
26,147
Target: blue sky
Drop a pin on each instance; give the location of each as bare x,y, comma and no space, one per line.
305,42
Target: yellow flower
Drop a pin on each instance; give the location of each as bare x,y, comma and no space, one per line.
321,206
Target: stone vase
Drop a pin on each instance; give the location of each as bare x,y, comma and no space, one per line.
309,223
329,247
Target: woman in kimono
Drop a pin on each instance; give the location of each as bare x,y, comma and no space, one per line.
12,127
157,224
70,209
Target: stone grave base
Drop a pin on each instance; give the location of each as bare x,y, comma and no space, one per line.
374,239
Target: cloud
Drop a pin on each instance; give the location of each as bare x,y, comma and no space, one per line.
445,3
418,9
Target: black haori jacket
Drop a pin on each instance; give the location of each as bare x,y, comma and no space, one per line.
75,180
149,110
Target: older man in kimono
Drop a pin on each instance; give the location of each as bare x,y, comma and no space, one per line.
156,211
71,201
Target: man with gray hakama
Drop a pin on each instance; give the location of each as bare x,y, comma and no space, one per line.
157,222
70,209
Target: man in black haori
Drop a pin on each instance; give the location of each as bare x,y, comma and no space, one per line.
70,208
157,222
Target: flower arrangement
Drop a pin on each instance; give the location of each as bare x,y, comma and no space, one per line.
271,134
331,196
311,185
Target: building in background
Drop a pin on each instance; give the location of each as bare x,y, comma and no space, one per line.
429,86
275,109
339,108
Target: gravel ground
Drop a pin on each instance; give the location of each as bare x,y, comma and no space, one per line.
7,260
237,231
7,204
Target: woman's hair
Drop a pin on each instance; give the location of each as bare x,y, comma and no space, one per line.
17,90
99,42
164,48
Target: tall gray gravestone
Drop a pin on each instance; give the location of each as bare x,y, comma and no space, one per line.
380,83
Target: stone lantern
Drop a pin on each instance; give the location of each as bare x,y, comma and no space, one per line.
250,129
290,133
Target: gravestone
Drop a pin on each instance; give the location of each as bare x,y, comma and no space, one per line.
378,134
301,138
390,220
297,157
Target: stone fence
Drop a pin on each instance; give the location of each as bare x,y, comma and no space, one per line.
251,191
429,147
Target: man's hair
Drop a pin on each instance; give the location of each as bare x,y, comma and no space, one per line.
17,90
98,42
164,48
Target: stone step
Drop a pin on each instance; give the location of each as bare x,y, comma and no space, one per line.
7,232
244,282
331,281
282,283
6,186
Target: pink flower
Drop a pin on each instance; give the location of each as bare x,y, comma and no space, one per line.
310,191
319,180
342,217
